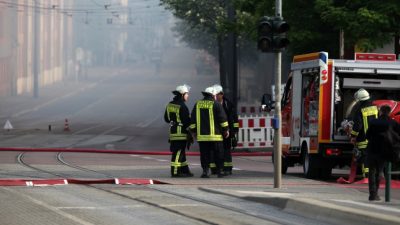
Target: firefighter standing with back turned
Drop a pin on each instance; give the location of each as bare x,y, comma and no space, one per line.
177,115
209,124
231,141
363,115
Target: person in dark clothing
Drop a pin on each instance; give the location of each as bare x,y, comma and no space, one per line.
376,142
177,115
233,121
210,125
364,113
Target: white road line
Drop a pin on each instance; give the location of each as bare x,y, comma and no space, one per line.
86,129
162,160
147,122
146,157
15,115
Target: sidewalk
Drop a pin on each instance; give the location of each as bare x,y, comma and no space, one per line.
331,203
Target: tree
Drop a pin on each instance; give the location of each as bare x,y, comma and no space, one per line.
208,17
315,26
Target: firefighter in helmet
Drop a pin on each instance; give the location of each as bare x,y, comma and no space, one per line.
231,141
209,124
178,116
363,113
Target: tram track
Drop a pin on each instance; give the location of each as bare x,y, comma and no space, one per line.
59,157
271,218
61,161
194,200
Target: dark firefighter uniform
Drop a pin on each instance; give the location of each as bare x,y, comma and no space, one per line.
209,123
231,141
365,112
177,115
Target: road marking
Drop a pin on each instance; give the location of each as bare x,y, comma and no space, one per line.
86,129
145,157
146,123
162,160
84,88
367,205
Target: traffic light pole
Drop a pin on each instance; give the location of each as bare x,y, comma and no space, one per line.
278,115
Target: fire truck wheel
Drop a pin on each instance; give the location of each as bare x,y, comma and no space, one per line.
309,165
284,166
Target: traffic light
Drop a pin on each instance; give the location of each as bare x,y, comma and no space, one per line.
279,29
272,34
264,42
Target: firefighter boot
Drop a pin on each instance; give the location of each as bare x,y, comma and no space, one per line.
213,168
220,174
188,173
205,173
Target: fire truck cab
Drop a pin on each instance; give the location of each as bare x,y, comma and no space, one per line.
317,101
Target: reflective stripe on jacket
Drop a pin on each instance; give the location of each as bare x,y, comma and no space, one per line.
231,114
208,120
363,117
177,115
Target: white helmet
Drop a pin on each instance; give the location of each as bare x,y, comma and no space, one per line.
361,95
210,90
218,89
182,89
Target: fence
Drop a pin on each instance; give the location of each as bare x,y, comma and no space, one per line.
255,132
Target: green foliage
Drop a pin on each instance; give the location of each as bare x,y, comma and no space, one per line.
367,24
315,24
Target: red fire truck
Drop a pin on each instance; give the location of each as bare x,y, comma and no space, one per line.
317,101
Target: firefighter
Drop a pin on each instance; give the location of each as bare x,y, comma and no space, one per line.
209,125
362,116
230,142
178,116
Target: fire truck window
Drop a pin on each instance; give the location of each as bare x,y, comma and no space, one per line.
310,104
286,92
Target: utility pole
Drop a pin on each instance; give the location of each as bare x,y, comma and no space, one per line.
232,57
36,50
272,38
278,115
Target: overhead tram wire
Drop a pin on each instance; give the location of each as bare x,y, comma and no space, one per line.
54,8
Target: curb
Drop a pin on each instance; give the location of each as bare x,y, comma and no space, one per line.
332,213
318,209
50,182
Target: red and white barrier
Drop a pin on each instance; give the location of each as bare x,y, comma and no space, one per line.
48,182
255,132
249,110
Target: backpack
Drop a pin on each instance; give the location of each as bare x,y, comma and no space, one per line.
391,151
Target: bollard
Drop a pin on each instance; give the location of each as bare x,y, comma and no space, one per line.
388,181
49,127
